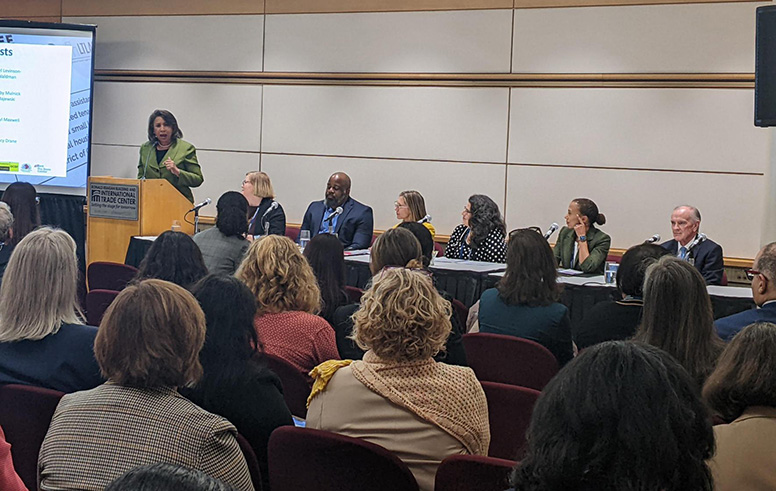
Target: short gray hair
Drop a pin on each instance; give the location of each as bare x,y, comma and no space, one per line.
696,213
6,222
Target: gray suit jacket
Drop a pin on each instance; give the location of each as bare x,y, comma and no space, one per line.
222,254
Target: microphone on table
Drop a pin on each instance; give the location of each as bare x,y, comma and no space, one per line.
653,239
700,238
337,212
550,231
203,204
425,219
273,206
145,167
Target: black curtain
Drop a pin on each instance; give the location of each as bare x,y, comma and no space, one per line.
66,212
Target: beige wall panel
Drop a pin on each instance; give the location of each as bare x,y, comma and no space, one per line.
445,186
521,4
656,38
16,9
427,42
211,116
109,160
328,6
210,43
687,129
466,124
154,7
638,204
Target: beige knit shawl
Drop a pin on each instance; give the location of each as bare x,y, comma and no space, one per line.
445,395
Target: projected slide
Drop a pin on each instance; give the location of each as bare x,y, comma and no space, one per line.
35,109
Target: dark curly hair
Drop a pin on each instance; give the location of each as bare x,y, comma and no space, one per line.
174,257
20,196
485,216
168,118
326,256
620,416
232,214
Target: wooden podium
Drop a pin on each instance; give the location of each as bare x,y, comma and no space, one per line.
120,208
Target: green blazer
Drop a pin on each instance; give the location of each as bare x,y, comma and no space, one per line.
597,242
185,157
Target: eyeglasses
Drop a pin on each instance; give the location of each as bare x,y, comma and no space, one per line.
397,205
751,273
424,272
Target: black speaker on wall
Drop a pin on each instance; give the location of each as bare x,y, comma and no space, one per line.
765,67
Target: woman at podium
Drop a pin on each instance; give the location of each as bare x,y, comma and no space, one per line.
166,156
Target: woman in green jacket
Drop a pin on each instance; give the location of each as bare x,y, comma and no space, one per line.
166,156
581,245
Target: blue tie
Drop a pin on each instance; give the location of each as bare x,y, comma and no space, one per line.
682,253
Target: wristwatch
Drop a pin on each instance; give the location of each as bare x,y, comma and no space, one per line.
582,238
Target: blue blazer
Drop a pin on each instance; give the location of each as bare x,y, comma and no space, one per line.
708,259
354,227
729,326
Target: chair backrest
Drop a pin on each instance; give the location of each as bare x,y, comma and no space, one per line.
461,311
509,412
251,460
354,293
296,387
97,302
473,473
308,459
25,415
292,233
103,275
439,248
509,360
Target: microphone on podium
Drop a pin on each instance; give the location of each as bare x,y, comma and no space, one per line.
201,205
653,239
550,231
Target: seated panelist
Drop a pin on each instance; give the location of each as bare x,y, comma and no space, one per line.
580,244
166,156
481,235
411,207
266,214
353,224
690,245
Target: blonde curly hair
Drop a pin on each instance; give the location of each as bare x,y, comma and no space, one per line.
402,317
279,276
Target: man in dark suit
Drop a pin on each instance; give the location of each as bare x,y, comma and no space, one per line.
354,226
762,274
705,254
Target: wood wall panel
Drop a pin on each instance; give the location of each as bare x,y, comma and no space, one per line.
155,7
24,9
32,19
531,4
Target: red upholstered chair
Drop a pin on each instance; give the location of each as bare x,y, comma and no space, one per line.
296,387
308,459
354,293
614,258
97,302
251,460
509,360
292,232
102,275
473,473
439,248
509,412
25,415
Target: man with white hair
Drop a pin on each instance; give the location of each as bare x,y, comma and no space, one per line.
689,245
6,233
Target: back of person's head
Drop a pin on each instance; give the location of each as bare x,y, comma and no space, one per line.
485,216
620,416
588,208
396,247
174,257
415,203
40,287
326,256
6,223
151,336
262,186
22,199
232,214
167,477
531,277
745,374
633,266
424,238
402,317
766,262
279,277
677,316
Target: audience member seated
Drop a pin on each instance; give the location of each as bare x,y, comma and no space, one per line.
257,189
173,257
42,339
354,225
23,200
169,477
580,244
620,416
235,385
762,276
396,248
614,320
6,234
288,297
9,479
425,239
688,245
678,318
410,207
742,392
481,235
147,346
327,258
525,303
224,245
398,396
